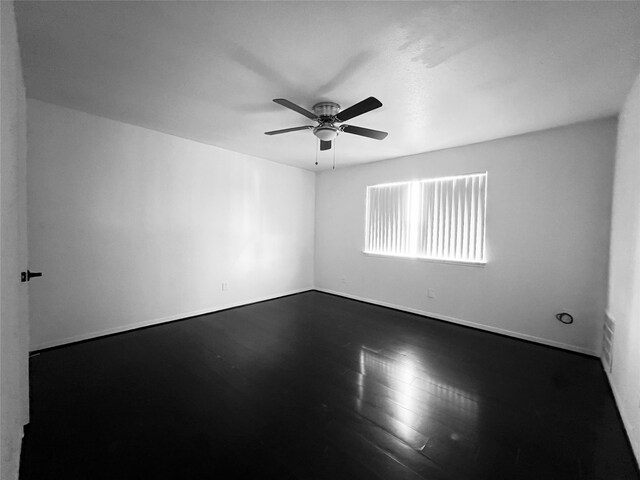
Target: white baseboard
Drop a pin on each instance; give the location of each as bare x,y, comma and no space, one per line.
623,414
158,321
467,323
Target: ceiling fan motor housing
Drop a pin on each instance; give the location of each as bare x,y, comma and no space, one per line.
326,110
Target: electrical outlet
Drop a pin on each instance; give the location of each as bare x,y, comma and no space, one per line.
431,293
225,286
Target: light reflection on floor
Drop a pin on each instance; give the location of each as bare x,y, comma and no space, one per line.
416,398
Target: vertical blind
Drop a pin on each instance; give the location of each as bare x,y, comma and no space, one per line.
439,218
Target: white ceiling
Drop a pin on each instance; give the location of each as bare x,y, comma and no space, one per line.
448,73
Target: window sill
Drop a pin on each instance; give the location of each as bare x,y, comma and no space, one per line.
430,260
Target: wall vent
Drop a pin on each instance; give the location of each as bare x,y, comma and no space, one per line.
607,342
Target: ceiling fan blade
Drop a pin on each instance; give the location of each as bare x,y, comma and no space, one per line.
364,132
364,106
325,145
286,130
296,108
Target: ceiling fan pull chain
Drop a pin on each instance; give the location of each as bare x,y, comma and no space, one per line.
317,148
335,142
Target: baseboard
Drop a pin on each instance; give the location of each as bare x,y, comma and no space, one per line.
624,416
423,313
158,321
467,323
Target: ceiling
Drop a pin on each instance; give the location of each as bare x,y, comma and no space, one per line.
447,73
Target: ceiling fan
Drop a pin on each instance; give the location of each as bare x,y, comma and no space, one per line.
327,114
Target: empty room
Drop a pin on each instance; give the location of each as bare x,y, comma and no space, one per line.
320,240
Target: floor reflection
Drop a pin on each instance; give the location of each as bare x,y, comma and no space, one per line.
419,403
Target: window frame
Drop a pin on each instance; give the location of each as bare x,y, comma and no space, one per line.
450,261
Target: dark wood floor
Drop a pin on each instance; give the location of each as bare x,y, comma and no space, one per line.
314,386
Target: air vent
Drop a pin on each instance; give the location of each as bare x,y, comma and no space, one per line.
607,342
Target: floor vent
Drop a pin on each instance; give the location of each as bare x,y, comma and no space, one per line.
607,342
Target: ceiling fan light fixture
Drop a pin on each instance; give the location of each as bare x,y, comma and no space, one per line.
326,132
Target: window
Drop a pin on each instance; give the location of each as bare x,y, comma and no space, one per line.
438,218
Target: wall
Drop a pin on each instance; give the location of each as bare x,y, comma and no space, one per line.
132,227
14,332
624,281
548,219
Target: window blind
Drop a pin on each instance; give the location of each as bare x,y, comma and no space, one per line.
439,218
388,215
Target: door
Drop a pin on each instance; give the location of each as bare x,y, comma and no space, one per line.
14,316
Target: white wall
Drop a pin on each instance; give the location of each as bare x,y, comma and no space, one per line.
624,282
131,226
14,332
548,219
